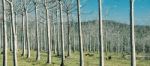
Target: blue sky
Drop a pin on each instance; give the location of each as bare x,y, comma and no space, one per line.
118,10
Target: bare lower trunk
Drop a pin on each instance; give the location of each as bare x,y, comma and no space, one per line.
11,39
14,36
37,34
80,35
58,34
4,35
58,42
74,42
15,20
23,36
54,38
27,36
61,35
2,38
90,43
101,46
133,52
48,34
44,43
69,45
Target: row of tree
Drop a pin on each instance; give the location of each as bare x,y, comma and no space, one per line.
43,27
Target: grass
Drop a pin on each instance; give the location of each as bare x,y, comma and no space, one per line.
70,61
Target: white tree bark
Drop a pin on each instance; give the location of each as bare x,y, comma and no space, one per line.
80,35
61,35
26,30
37,31
11,38
101,46
69,45
48,33
23,36
14,33
4,35
58,34
132,36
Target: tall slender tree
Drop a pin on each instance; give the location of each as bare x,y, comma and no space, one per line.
80,34
37,30
101,46
61,34
48,32
4,35
23,36
68,6
23,29
58,34
69,45
132,36
26,28
13,32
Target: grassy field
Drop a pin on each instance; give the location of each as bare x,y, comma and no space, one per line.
70,61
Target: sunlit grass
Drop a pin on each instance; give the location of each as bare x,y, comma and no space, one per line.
70,61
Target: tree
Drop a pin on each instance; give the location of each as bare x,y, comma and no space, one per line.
48,32
14,33
26,26
68,6
61,34
80,34
4,35
101,46
37,32
58,34
26,11
23,31
132,36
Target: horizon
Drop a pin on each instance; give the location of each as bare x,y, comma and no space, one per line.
118,10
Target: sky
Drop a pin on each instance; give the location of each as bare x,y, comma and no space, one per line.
118,10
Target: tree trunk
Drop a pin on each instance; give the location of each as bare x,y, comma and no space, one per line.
58,34
27,35
69,45
101,46
15,20
80,35
90,43
74,46
37,34
48,33
2,38
61,35
23,36
54,38
14,36
11,38
132,37
41,38
4,35
44,42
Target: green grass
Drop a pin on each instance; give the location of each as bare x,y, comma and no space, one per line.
71,61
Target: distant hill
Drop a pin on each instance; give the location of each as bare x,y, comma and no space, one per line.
116,33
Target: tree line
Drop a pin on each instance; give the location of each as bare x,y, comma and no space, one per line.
50,26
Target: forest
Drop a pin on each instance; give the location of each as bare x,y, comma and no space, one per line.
54,33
